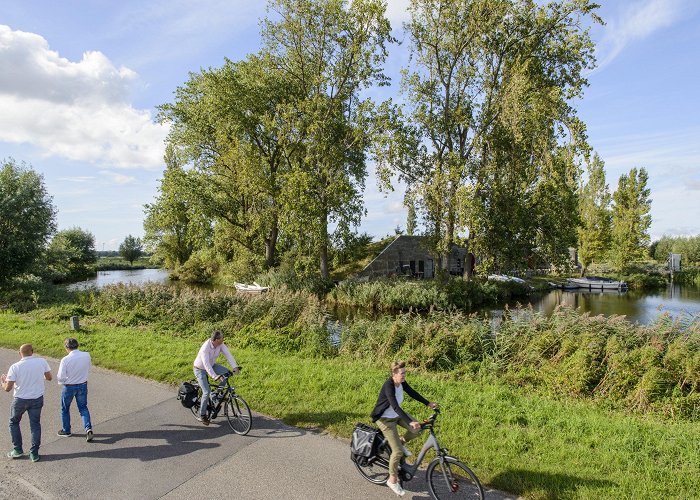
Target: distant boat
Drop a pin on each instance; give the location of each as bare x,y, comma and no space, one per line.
503,277
254,288
592,283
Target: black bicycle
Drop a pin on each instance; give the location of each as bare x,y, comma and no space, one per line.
446,476
224,396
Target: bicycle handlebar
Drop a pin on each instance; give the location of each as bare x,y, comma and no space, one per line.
230,373
430,421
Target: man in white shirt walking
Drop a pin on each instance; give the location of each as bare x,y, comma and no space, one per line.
204,364
73,375
26,377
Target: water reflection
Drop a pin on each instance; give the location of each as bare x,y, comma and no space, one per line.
681,302
127,277
642,307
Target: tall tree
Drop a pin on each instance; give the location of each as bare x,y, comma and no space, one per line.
594,233
491,124
131,249
631,218
225,123
331,50
174,225
27,218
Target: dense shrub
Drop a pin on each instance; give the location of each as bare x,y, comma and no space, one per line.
423,295
280,319
639,367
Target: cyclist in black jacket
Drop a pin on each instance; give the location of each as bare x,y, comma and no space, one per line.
388,415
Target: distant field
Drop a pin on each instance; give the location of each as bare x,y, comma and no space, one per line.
117,263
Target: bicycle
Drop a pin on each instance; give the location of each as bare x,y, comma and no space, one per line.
235,408
446,476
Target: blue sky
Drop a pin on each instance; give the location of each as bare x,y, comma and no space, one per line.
80,80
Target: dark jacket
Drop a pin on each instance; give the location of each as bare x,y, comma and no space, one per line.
387,397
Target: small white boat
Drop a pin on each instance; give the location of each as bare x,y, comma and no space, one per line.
503,277
592,283
254,288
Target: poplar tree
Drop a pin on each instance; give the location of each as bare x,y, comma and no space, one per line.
631,218
594,233
492,137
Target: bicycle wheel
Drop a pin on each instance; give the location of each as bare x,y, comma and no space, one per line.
452,479
196,406
377,471
238,414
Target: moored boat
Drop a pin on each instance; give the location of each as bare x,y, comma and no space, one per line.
254,288
596,283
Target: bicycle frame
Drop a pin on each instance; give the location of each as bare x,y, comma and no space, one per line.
222,390
430,443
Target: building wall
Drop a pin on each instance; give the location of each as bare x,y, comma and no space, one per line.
409,255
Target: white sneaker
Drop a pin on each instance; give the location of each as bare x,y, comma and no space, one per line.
396,488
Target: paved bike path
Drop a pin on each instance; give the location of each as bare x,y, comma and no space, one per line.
148,446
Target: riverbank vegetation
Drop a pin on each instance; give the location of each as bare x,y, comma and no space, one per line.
652,369
563,407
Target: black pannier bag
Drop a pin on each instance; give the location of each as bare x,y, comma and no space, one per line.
187,394
364,443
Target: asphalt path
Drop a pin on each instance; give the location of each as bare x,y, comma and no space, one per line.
147,446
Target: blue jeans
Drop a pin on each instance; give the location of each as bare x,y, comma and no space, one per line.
79,392
33,409
204,384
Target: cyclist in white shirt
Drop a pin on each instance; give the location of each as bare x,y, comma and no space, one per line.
205,364
73,375
26,377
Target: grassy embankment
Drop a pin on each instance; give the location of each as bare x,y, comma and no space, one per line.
534,415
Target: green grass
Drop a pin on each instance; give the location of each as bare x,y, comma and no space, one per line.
515,440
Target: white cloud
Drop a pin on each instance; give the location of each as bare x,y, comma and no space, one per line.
78,178
637,21
397,12
119,179
74,110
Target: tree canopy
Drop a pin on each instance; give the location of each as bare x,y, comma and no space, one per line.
594,233
27,218
131,249
490,143
630,218
71,254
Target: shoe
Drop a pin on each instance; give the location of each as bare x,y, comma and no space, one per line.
396,488
204,420
89,435
15,453
34,456
63,433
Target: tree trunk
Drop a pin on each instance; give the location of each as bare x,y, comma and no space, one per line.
271,247
323,247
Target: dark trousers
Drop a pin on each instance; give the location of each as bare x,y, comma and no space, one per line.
33,409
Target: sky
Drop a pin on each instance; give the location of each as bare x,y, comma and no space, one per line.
80,81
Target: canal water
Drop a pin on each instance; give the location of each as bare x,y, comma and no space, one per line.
679,301
128,277
644,307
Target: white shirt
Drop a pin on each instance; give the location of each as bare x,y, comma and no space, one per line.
207,355
28,376
389,412
74,368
